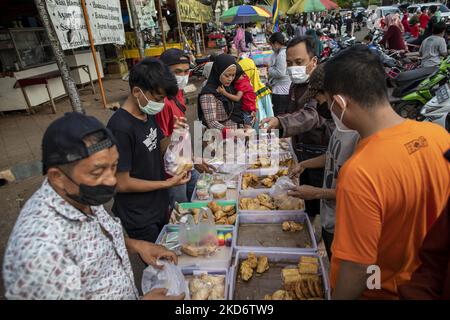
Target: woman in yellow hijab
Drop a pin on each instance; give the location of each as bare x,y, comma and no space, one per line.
263,99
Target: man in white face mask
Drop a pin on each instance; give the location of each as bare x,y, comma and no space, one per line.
178,63
175,107
340,148
393,188
309,128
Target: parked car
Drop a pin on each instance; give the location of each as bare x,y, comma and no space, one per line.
385,10
415,8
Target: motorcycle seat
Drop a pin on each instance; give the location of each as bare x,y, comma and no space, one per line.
416,74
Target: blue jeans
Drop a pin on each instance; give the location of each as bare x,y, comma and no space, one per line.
183,193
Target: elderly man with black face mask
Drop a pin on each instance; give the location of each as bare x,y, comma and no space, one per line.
64,244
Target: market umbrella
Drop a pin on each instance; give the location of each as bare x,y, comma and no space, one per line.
312,6
244,14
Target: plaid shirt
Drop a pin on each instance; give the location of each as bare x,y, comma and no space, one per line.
215,114
57,252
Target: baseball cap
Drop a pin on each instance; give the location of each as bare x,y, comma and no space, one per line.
63,140
174,56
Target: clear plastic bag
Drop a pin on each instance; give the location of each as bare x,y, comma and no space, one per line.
178,157
207,230
202,234
169,277
281,199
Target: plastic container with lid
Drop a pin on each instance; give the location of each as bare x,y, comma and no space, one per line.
219,191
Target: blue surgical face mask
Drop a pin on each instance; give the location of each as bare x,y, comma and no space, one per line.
152,107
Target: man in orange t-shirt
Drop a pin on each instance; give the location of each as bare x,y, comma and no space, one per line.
390,191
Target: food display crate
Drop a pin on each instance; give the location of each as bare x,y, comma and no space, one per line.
221,259
232,195
271,280
261,172
263,231
190,271
253,193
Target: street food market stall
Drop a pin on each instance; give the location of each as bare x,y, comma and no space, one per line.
221,237
30,75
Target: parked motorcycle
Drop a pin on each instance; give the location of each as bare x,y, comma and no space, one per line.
437,110
415,88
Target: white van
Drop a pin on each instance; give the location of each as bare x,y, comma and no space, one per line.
384,11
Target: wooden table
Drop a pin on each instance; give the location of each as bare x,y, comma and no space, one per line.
43,79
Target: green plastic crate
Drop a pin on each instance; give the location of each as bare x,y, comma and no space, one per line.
200,204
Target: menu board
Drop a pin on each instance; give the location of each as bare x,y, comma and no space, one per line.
145,10
194,12
68,20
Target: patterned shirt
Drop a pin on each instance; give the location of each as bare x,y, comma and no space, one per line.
57,252
215,114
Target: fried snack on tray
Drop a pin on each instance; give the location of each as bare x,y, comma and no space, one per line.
266,201
268,182
207,287
219,214
227,209
304,281
285,202
291,226
263,264
231,219
196,251
249,180
281,295
282,172
246,271
223,220
214,206
308,268
290,277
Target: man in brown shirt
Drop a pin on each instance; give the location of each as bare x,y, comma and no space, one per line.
309,128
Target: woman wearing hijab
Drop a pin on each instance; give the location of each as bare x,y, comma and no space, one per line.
239,40
393,38
263,98
214,109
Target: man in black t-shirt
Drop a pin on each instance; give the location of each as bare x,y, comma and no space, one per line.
142,200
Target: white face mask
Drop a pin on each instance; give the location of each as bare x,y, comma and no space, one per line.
298,74
152,107
340,126
182,81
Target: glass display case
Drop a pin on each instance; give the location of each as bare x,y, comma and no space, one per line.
24,48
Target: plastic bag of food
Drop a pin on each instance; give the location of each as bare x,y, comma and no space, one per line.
169,277
178,157
207,229
280,197
189,232
282,186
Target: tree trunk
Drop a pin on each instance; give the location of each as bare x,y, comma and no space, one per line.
137,28
67,80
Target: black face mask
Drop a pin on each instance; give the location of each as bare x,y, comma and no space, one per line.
92,195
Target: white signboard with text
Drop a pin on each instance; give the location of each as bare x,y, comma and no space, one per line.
105,17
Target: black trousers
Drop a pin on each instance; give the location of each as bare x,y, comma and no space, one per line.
280,103
328,241
312,177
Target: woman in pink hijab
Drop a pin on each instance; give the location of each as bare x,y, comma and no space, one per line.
393,37
239,40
